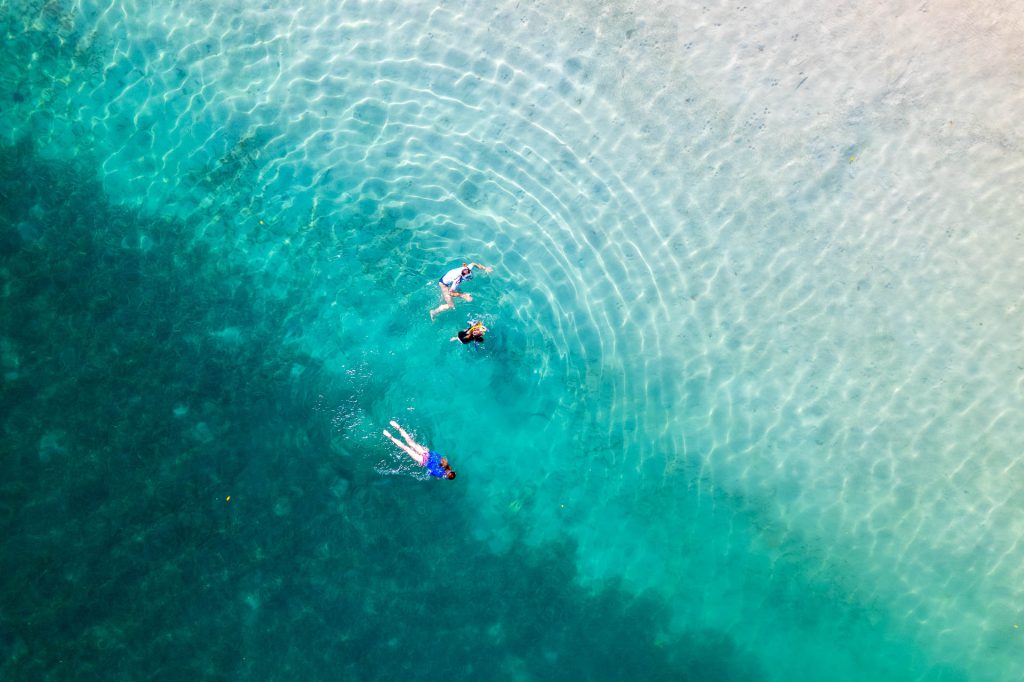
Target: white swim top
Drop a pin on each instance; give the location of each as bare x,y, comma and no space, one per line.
453,278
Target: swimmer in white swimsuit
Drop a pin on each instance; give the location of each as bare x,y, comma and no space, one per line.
451,281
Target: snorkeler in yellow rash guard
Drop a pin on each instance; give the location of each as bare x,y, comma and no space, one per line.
451,281
474,333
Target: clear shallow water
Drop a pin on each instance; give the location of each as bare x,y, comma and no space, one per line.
751,408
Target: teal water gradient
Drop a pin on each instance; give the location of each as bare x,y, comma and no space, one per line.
680,453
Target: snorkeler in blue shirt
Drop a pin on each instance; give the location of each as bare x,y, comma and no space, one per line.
437,466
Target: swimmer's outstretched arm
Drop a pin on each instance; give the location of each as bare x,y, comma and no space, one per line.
409,451
483,267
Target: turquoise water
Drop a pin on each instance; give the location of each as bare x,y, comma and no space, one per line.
750,407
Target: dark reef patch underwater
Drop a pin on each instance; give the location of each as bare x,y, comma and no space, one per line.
130,415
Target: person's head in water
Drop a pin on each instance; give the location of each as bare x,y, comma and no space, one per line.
466,272
474,333
448,473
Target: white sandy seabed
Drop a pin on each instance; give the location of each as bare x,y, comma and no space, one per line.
783,242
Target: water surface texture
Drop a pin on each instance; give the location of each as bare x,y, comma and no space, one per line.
751,407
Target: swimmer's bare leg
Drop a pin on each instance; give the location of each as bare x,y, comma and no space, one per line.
409,451
447,305
408,439
440,309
